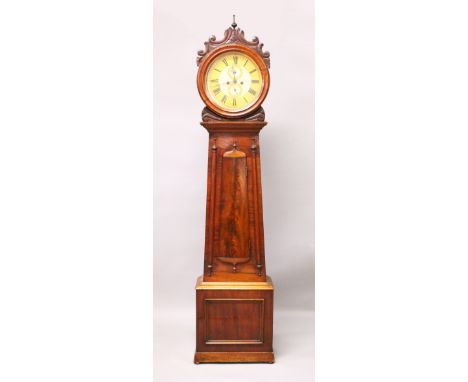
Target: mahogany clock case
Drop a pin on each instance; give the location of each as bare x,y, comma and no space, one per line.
234,297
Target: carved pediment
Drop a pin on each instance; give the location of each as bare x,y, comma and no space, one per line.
234,35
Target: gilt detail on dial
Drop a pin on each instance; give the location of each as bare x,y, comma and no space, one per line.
233,81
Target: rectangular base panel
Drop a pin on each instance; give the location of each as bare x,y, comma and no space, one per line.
234,322
234,357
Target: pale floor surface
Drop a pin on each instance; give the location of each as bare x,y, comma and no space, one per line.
175,345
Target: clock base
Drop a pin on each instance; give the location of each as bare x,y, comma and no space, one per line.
234,357
234,322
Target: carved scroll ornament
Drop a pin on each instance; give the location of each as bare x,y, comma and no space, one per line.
234,35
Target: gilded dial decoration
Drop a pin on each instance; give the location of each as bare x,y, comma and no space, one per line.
234,81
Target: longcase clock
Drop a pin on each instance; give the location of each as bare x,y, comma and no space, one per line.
234,295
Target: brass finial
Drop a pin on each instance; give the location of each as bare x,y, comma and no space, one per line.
234,25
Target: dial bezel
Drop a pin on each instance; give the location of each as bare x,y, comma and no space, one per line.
203,72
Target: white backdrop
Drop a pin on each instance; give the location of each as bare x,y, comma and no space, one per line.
287,143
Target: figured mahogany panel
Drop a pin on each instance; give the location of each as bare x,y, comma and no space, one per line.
234,321
234,233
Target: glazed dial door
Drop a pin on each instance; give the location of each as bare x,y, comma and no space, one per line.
233,82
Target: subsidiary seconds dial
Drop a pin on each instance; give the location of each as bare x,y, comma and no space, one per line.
233,82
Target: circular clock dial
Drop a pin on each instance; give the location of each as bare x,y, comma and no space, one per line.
234,81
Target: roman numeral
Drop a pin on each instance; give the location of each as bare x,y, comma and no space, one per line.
216,80
217,70
255,81
225,62
251,91
245,63
234,102
216,91
245,99
235,58
223,100
253,71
